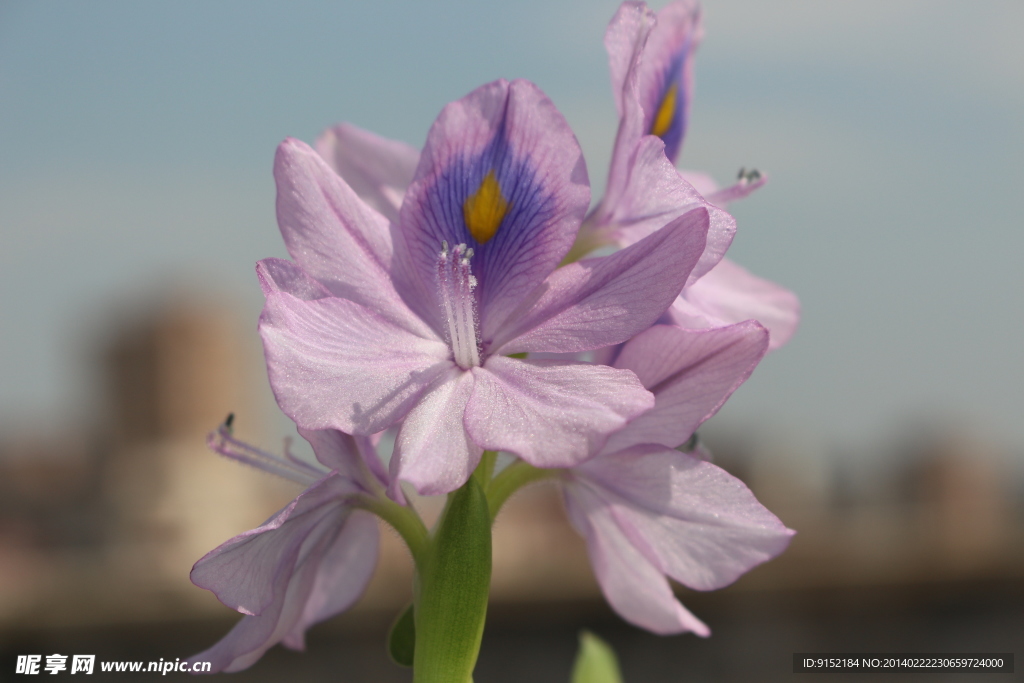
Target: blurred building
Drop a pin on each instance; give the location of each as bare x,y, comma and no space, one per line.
118,514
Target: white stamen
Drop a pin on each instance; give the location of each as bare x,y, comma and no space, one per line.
455,283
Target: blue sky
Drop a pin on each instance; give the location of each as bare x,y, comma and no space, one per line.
136,142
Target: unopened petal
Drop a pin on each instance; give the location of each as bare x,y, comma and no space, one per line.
550,413
378,169
334,364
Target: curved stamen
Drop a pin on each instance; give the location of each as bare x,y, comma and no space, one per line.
287,466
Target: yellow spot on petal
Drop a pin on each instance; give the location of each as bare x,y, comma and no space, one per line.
485,209
666,112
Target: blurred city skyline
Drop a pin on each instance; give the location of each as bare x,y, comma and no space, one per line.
136,143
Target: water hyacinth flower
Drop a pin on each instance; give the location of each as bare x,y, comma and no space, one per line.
650,512
376,321
440,294
650,59
651,64
309,561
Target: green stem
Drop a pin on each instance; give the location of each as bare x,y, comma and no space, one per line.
453,570
510,480
404,520
485,470
451,590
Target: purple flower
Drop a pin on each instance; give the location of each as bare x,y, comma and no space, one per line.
310,561
650,512
651,64
377,322
650,58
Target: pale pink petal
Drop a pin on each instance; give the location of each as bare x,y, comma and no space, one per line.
350,455
654,194
336,238
344,572
252,636
624,41
703,525
279,275
334,364
510,136
729,294
327,574
245,573
550,413
691,373
647,58
667,62
378,169
634,585
432,450
595,303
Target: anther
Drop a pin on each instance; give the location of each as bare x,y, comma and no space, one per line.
745,176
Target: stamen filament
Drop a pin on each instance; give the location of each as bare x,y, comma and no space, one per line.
287,466
456,283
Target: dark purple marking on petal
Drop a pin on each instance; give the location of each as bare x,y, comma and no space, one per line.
519,238
674,93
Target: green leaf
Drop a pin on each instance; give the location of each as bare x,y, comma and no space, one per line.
402,639
451,591
595,662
